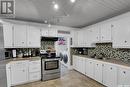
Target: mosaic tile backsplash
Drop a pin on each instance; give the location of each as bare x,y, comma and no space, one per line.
109,52
46,44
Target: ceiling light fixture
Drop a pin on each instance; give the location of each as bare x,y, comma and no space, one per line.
56,6
73,1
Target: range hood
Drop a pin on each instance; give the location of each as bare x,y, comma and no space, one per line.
49,38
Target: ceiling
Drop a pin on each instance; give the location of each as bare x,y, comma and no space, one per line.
78,14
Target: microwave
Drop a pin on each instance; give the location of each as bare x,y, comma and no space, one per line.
7,55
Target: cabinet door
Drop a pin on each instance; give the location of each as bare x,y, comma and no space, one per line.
106,32
123,76
98,71
83,65
109,75
75,38
121,33
33,36
44,32
74,62
8,35
89,68
20,35
19,73
52,32
8,75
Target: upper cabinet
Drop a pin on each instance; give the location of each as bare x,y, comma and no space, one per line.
19,35
121,33
49,32
44,32
8,35
106,32
74,38
52,32
33,36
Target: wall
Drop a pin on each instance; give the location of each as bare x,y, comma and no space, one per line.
46,44
107,50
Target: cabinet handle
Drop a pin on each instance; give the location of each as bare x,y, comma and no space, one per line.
124,72
111,68
125,41
102,64
112,25
97,64
22,42
90,62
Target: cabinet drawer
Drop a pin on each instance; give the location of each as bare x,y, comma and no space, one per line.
35,68
35,76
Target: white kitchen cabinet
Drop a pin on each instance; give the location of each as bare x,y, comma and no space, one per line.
44,32
121,33
98,71
109,75
34,76
89,64
8,35
33,36
74,62
19,72
74,38
34,70
52,32
35,66
79,64
106,32
81,38
19,36
8,75
123,76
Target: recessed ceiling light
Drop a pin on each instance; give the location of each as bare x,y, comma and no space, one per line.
49,25
73,1
56,6
45,21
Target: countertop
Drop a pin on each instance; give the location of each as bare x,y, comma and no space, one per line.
110,60
4,62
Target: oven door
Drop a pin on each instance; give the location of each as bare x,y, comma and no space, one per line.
51,65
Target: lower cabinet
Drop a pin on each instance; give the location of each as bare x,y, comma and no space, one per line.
98,71
89,68
123,76
109,75
34,70
19,72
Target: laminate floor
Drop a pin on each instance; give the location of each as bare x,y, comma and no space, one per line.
71,79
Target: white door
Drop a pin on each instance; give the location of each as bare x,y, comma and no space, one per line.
106,32
19,73
123,76
110,75
8,35
20,36
89,68
98,71
33,36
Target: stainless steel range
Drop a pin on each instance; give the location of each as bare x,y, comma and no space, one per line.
50,68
